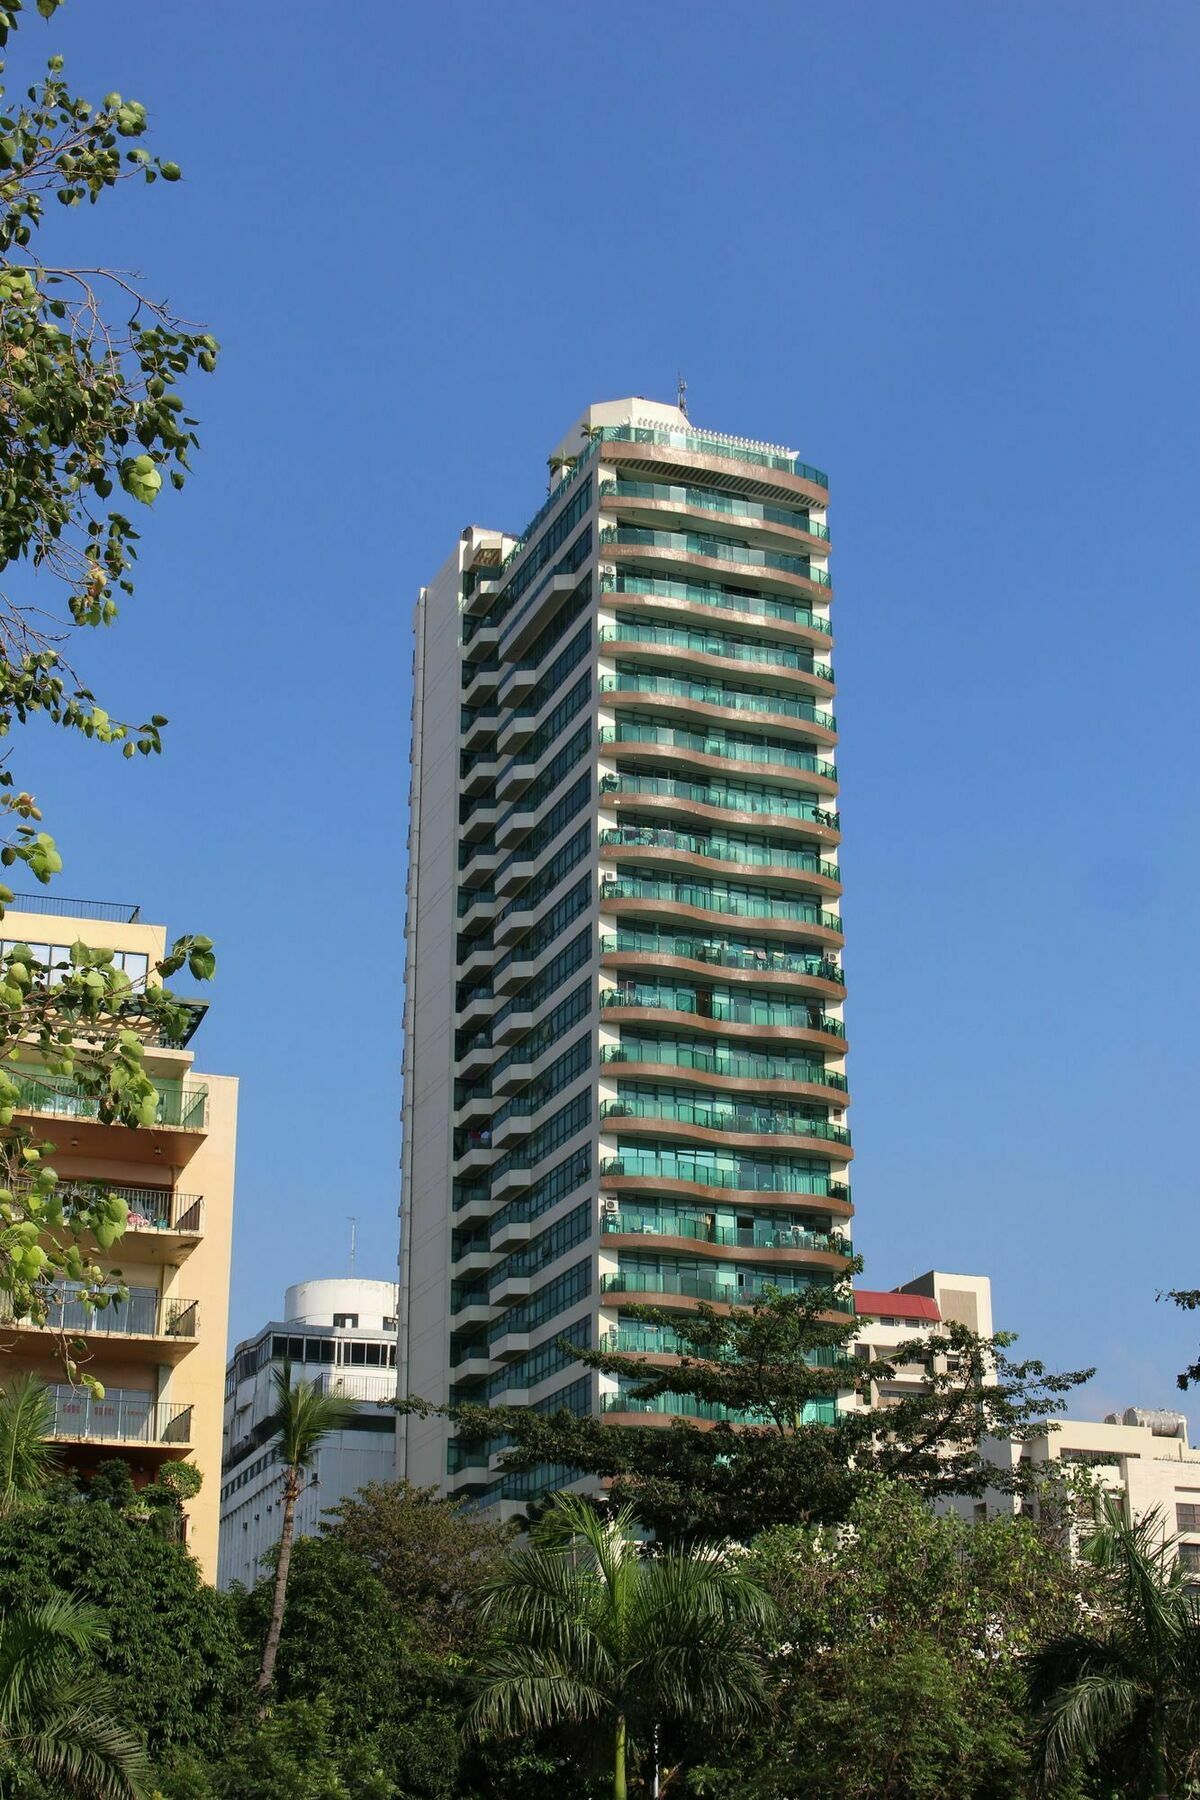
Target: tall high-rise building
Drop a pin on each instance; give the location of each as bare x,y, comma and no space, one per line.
625,1050
340,1334
160,1353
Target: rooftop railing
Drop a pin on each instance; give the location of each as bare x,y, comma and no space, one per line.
57,906
714,443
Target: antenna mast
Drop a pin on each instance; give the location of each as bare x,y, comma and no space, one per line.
353,1220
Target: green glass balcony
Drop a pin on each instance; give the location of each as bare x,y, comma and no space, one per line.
706,693
659,1340
687,1406
726,955
748,855
716,743
744,1120
690,543
701,499
184,1106
741,906
771,803
713,444
733,1287
705,1059
763,1235
747,1174
776,656
727,1009
709,593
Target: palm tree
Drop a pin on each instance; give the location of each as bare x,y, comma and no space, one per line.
55,1717
590,1628
1125,1697
27,1462
302,1419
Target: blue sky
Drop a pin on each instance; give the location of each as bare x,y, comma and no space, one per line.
948,253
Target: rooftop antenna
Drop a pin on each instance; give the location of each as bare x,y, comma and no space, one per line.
681,394
353,1220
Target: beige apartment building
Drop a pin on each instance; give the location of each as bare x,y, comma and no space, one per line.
625,1045
161,1353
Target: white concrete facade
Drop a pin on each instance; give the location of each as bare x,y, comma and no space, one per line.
340,1333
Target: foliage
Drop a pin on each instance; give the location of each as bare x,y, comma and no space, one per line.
90,412
57,1717
431,1556
172,1649
303,1417
27,1462
289,1755
592,1630
158,1505
1188,1299
766,1363
896,1660
1119,1696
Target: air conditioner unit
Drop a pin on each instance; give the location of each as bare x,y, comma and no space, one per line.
610,1204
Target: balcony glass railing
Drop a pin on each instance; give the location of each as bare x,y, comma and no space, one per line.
712,500
705,693
659,1340
675,737
709,593
763,856
747,1174
690,543
743,1120
733,1009
770,802
143,1314
733,1287
725,955
776,656
713,444
742,1065
686,1406
123,1416
740,906
762,1235
184,1106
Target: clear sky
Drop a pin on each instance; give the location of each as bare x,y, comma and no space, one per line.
947,252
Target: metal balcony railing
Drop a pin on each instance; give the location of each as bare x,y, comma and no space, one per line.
185,1107
57,906
124,1415
143,1314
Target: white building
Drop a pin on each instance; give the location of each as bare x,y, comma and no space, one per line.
341,1334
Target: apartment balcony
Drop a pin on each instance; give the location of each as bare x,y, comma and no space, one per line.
472,1203
634,1170
511,782
476,1155
162,1226
511,1290
740,1123
763,1235
782,664
675,795
475,908
656,501
659,844
125,1419
178,1130
663,1408
477,1057
480,776
166,1326
479,729
631,1285
513,1075
477,1009
635,896
777,571
740,1071
480,683
510,830
783,714
711,603
703,1011
796,968
511,1232
714,753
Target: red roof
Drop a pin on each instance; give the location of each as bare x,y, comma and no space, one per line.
871,1303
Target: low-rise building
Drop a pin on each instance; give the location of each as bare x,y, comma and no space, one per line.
159,1351
341,1334
922,1307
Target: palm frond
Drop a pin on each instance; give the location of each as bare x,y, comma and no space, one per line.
1081,1719
522,1690
303,1417
27,1461
77,1749
39,1647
